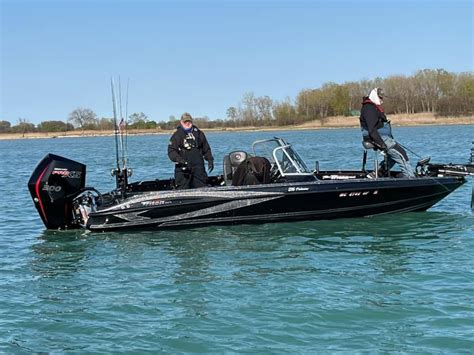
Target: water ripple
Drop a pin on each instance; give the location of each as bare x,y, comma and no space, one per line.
399,283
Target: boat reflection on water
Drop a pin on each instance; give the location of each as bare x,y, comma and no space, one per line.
187,255
60,254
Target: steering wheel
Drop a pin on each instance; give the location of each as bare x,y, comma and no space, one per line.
274,172
286,165
93,192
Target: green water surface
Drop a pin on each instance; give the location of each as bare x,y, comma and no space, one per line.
400,283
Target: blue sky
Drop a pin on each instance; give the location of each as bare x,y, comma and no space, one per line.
202,56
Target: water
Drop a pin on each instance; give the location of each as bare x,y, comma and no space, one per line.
402,283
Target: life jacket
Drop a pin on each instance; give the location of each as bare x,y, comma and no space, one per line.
379,108
190,145
383,125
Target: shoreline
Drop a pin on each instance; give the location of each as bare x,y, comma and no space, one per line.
337,122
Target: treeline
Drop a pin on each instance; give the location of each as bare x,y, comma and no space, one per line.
432,91
81,119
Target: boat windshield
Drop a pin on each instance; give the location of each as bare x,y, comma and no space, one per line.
281,155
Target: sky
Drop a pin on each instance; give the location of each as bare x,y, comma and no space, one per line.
203,56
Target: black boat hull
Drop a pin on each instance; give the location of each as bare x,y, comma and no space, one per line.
286,191
273,203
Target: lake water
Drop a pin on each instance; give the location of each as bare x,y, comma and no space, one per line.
401,283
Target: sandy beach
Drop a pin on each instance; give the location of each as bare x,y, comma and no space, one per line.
418,119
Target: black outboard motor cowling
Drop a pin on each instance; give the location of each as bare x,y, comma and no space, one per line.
55,182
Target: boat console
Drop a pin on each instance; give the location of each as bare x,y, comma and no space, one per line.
286,164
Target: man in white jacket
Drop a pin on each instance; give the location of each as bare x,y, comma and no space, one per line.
376,129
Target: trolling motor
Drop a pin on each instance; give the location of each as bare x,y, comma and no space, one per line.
422,166
452,170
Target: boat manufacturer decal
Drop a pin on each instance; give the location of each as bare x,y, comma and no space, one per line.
155,203
65,173
298,188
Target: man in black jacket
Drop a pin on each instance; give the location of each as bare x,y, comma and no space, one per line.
188,148
376,129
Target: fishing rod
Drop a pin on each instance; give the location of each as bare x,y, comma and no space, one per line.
121,126
405,147
126,123
411,151
115,124
121,173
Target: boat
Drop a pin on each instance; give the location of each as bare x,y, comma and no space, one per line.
291,192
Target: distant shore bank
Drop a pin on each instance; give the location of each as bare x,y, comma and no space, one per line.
419,119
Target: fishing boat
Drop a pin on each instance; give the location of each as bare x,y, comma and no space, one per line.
292,192
281,189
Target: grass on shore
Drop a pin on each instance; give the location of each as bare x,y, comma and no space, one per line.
417,119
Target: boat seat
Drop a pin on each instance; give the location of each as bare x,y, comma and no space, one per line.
370,145
231,162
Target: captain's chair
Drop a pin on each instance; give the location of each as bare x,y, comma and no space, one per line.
231,162
368,144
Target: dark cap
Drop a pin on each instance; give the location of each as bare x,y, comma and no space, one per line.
380,93
186,117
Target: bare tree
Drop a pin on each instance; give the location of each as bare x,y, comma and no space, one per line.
138,117
105,123
248,111
232,114
263,109
83,118
284,113
139,120
24,126
305,104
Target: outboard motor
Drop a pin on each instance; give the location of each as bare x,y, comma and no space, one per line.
53,185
